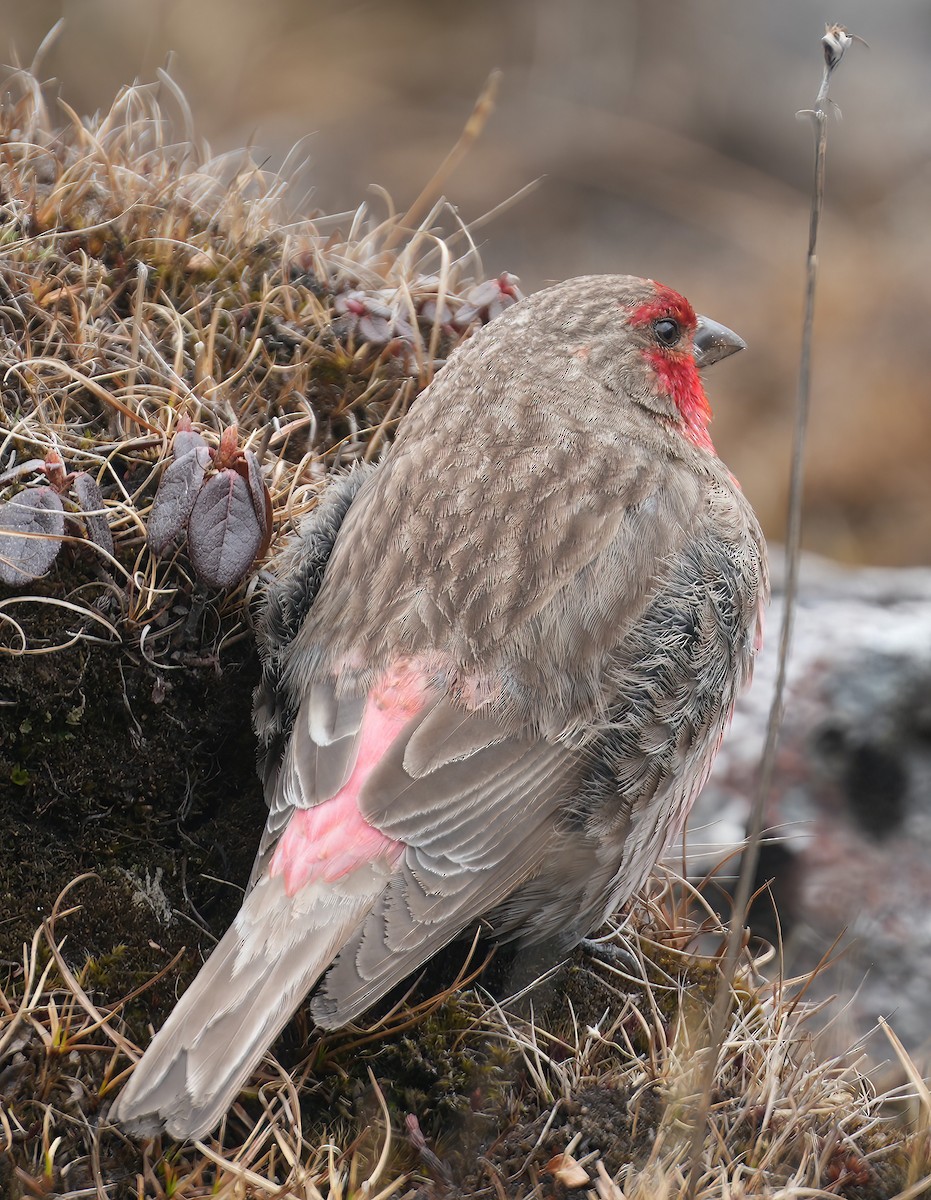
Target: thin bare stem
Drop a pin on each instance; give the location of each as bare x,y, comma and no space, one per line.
478,118
834,43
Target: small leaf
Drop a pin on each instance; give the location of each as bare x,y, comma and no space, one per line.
36,514
177,492
185,440
228,449
261,499
224,533
56,474
91,501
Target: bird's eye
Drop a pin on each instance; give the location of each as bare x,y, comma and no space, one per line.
667,331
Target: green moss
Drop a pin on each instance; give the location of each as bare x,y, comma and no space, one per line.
446,1069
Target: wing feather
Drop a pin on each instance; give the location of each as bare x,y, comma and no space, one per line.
317,762
447,734
475,828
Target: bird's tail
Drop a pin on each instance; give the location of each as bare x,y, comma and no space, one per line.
275,951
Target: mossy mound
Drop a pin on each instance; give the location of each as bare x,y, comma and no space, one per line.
148,289
145,777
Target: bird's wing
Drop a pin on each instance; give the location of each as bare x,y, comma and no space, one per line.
593,579
316,762
275,713
473,812
406,777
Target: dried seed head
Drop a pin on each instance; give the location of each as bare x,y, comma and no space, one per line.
836,40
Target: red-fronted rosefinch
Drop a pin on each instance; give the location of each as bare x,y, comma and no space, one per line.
497,668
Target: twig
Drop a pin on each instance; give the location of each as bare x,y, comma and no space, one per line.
478,118
834,43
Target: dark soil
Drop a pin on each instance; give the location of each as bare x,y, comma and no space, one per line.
145,777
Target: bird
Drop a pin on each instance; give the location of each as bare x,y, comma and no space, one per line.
496,668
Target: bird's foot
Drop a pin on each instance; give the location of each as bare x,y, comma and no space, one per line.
618,957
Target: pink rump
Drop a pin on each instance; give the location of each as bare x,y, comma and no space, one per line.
328,841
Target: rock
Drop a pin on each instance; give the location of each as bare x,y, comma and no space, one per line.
849,814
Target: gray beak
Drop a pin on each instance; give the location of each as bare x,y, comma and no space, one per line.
713,342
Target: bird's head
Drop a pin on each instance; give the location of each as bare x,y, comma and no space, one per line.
643,341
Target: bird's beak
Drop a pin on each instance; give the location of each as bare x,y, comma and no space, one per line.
713,342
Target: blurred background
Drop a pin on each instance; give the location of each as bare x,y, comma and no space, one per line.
665,142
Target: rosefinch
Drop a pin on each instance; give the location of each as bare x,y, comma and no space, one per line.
497,668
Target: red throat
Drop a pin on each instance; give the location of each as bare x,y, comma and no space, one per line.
676,373
678,377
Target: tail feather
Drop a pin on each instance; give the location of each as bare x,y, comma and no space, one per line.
263,967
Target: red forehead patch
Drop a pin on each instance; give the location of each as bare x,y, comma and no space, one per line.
664,303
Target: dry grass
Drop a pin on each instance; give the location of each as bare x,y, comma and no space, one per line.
142,282
597,1090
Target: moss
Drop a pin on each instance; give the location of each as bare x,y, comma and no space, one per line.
145,778
445,1069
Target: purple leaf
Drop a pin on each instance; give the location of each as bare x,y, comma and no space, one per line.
177,492
185,440
95,522
37,514
224,533
261,500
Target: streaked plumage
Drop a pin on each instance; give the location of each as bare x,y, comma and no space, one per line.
497,667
